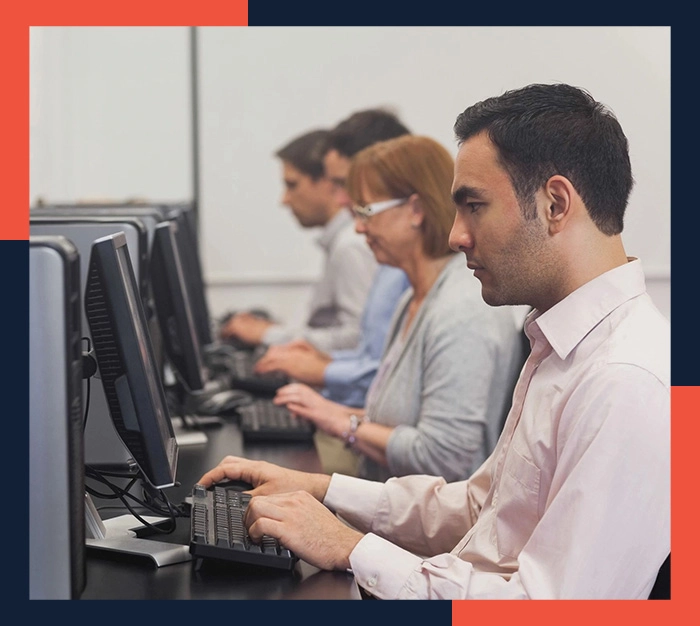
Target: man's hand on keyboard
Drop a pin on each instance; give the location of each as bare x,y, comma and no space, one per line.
267,478
246,327
303,525
298,360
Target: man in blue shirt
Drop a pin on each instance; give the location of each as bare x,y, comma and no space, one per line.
345,375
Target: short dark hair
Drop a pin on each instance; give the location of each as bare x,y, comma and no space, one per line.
545,129
362,129
305,153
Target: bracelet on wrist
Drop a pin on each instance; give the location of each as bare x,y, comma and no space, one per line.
349,435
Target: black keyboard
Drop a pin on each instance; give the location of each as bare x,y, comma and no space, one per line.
262,420
217,530
238,367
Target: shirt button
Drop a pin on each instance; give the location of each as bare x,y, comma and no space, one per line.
371,582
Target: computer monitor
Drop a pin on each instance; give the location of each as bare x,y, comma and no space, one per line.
149,215
137,404
83,229
192,266
173,309
181,212
103,448
57,565
126,361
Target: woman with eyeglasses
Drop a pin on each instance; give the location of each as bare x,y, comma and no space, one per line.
450,361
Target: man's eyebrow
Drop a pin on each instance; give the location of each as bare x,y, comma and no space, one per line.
460,195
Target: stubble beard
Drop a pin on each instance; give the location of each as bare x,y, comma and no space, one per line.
525,263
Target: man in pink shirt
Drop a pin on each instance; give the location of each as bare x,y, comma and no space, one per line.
574,502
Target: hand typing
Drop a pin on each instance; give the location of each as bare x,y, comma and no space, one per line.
327,415
247,327
298,360
302,524
267,478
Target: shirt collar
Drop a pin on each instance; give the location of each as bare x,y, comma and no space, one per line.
333,227
569,321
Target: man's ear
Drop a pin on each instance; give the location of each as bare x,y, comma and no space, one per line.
559,195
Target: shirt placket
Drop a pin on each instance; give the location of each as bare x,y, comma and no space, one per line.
540,351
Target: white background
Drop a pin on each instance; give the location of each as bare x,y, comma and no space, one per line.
111,118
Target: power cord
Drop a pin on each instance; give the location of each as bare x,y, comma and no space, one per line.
154,500
89,370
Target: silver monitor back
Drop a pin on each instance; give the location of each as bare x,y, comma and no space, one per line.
56,457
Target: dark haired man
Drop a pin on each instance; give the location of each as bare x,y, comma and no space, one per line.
345,375
338,298
574,502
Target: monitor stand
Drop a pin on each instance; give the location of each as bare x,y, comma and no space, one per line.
119,534
188,428
185,435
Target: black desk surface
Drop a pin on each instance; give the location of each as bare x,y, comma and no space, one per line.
116,576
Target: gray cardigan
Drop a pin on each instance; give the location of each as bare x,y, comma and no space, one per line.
451,383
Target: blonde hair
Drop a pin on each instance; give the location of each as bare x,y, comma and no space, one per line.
400,167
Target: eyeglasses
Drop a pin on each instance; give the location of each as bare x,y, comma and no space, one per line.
363,212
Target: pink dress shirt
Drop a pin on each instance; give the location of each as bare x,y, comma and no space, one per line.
574,502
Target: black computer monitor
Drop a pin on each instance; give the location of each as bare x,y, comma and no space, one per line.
173,309
126,361
187,236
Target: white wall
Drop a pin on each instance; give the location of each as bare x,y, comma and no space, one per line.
110,117
109,113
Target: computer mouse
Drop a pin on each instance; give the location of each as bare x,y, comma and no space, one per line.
223,402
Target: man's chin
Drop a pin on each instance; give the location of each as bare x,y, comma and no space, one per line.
491,297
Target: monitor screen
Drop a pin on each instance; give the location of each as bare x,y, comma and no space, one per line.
126,361
173,309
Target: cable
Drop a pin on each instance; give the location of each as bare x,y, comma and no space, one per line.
87,384
154,500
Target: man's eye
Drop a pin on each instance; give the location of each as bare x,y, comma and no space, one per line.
474,206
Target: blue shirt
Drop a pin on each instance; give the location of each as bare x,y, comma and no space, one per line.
350,373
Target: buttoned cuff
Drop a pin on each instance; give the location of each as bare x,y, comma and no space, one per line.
381,568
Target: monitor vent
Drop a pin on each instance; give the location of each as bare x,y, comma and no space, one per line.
108,358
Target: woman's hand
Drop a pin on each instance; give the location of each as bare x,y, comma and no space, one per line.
328,416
